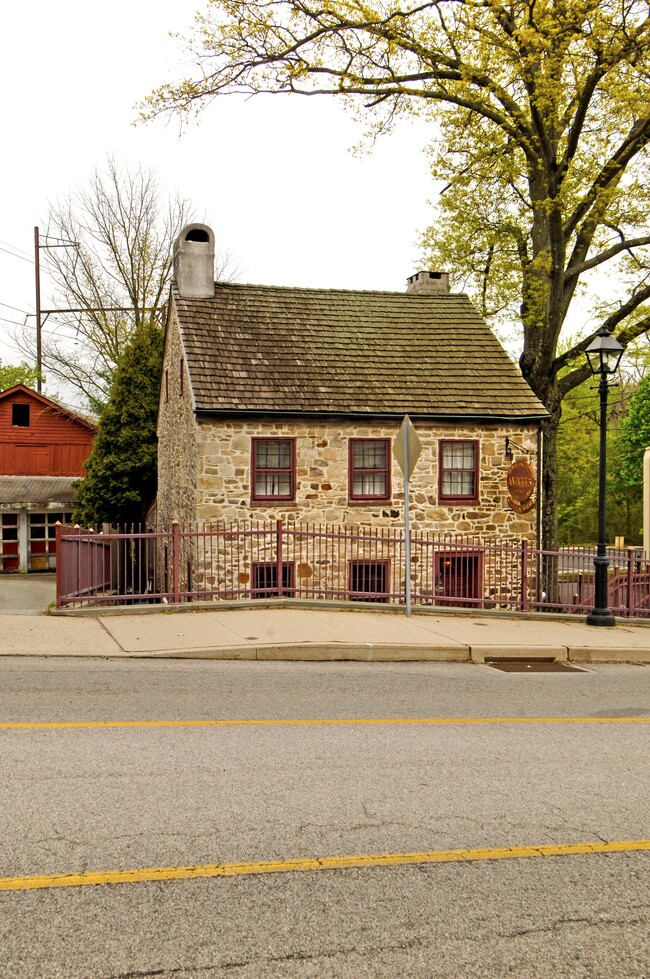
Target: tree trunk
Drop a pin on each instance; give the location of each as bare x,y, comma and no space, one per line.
549,564
550,481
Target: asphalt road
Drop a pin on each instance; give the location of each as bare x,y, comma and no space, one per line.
566,766
26,594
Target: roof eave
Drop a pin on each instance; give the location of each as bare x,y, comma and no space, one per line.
528,418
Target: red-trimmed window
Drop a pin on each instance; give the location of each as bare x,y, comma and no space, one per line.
458,463
273,468
369,469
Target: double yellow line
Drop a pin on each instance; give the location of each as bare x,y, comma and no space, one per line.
146,874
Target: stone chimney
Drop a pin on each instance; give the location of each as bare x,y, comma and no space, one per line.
193,257
428,283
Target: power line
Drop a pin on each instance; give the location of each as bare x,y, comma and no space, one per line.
4,319
16,248
16,255
15,308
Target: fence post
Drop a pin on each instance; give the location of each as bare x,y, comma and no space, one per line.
279,557
524,575
175,561
60,561
631,556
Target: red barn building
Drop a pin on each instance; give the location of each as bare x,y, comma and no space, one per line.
43,447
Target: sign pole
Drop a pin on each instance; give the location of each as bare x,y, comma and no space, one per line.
407,530
406,449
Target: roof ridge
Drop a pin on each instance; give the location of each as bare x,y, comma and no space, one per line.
327,291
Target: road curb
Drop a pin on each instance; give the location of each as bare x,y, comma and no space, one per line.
353,652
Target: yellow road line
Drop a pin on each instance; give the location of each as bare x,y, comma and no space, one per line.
316,863
282,722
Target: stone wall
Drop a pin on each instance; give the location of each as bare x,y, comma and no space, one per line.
177,437
223,491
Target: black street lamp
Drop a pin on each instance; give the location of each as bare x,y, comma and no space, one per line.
604,354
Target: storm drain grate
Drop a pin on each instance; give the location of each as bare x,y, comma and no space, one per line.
533,666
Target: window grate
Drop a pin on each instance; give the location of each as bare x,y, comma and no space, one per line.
369,581
265,579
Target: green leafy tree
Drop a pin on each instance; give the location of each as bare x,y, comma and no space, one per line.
578,459
540,125
634,439
12,374
121,478
577,463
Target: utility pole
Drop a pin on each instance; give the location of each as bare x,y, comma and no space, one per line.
58,243
42,314
39,351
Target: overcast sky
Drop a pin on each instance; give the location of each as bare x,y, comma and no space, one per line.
273,177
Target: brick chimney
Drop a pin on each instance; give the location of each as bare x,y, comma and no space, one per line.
193,257
428,283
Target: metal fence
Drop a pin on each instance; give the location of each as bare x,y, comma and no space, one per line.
344,563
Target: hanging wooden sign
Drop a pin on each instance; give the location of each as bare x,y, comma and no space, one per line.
521,484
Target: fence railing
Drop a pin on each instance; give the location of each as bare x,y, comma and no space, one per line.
345,563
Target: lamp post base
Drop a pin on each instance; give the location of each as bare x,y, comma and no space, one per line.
601,616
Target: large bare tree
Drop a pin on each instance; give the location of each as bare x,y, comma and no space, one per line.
540,128
121,225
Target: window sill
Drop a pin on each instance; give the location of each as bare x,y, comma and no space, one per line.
459,501
275,501
371,501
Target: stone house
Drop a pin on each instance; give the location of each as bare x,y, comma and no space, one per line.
283,404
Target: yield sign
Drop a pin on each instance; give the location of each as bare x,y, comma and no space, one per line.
407,447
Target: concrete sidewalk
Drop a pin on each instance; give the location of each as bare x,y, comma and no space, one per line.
269,632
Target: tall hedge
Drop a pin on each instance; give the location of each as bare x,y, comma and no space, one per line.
121,478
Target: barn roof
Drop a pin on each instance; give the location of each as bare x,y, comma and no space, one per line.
45,491
266,349
56,406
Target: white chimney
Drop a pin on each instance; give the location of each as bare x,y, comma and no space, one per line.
427,283
194,262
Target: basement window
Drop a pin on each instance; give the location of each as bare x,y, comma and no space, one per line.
369,581
265,579
20,416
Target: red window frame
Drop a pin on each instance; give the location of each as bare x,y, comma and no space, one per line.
458,574
454,497
370,470
270,471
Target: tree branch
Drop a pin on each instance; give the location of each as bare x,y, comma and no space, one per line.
626,245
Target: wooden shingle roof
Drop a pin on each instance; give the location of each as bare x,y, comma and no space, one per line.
270,349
